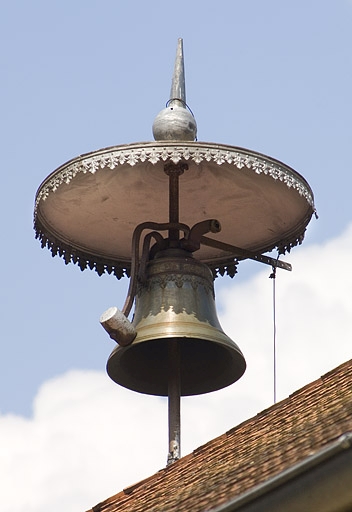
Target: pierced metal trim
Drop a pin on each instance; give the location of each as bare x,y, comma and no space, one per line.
133,154
82,259
154,152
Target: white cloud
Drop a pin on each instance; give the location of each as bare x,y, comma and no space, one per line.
89,438
313,316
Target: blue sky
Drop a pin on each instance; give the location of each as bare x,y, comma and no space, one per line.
77,76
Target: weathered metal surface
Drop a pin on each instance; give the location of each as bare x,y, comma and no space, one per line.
178,84
174,171
87,210
174,400
176,301
243,254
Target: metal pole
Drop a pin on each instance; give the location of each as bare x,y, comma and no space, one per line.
174,383
174,402
173,204
174,171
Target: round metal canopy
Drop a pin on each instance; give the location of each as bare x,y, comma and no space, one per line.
87,209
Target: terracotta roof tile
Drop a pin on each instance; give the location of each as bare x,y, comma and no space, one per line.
247,455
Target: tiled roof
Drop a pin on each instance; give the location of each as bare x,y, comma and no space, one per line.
249,454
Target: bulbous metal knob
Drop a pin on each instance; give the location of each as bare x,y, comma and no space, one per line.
175,123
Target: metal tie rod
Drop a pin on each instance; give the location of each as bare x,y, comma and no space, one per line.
243,253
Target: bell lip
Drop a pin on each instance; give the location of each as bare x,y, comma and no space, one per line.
66,198
232,358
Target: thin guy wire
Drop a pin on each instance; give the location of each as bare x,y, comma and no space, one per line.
274,332
273,277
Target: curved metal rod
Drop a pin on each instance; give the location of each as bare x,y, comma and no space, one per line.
145,252
193,241
155,226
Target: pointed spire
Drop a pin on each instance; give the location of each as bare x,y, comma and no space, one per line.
178,86
176,122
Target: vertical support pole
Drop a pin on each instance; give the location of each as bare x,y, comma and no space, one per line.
174,384
174,171
174,402
173,205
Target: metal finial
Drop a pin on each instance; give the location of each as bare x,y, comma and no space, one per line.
178,86
176,122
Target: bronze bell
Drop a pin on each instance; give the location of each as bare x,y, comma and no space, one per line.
176,301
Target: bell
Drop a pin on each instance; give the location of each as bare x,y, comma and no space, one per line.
176,301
